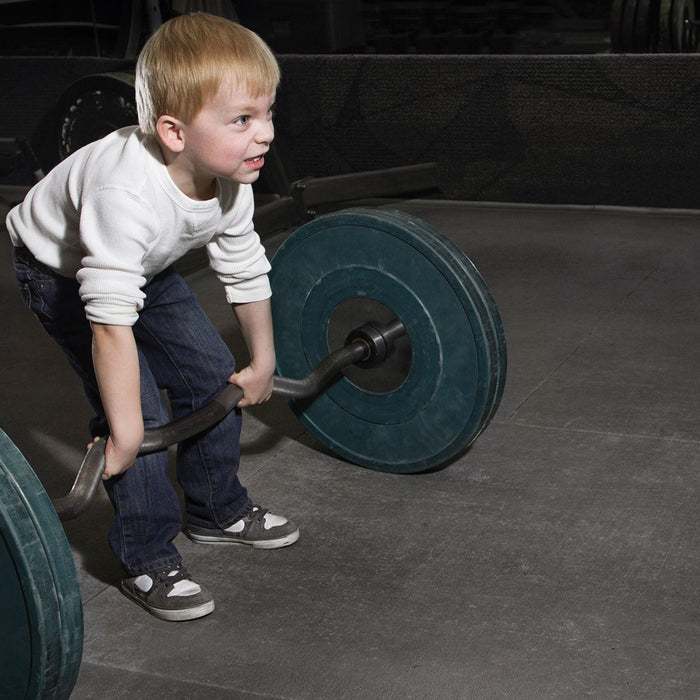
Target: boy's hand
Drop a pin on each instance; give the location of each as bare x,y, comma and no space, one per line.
256,385
116,461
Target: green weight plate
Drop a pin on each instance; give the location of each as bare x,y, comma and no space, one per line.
15,629
40,607
442,387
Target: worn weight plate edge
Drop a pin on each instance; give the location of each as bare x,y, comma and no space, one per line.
497,341
57,619
494,329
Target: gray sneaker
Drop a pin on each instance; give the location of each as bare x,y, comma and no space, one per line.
257,528
169,595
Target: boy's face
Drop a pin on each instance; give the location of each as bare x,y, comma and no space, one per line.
230,136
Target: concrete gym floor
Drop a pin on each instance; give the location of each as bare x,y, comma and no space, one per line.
557,558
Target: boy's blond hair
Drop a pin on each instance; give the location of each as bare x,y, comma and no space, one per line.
188,58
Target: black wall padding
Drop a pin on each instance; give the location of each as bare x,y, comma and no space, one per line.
596,129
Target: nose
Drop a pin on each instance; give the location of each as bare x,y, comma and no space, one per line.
266,132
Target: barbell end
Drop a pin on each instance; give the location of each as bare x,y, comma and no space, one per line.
378,339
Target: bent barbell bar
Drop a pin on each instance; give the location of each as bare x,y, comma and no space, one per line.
360,346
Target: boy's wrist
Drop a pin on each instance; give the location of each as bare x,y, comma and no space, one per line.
127,442
265,365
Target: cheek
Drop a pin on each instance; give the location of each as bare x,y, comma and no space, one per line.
223,156
228,150
238,152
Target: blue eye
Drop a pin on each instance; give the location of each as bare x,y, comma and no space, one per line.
242,121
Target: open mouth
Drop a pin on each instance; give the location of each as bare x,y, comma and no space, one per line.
257,161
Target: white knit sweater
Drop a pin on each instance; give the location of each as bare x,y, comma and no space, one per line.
110,216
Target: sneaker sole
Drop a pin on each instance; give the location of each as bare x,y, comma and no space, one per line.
173,615
256,544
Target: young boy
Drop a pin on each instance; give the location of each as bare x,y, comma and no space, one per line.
94,243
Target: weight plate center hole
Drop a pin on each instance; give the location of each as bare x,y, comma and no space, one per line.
390,374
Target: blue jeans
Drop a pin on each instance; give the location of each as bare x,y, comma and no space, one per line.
181,353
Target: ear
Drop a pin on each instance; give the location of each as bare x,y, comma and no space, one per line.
171,132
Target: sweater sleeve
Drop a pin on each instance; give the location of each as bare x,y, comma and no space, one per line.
238,257
116,231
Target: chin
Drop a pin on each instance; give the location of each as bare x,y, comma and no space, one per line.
245,178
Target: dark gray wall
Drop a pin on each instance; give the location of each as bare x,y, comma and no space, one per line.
601,129
596,129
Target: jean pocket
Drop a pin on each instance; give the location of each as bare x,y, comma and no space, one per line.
33,295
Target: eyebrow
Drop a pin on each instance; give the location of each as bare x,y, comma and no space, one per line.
246,107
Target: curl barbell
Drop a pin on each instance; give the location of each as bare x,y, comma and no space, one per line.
359,348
